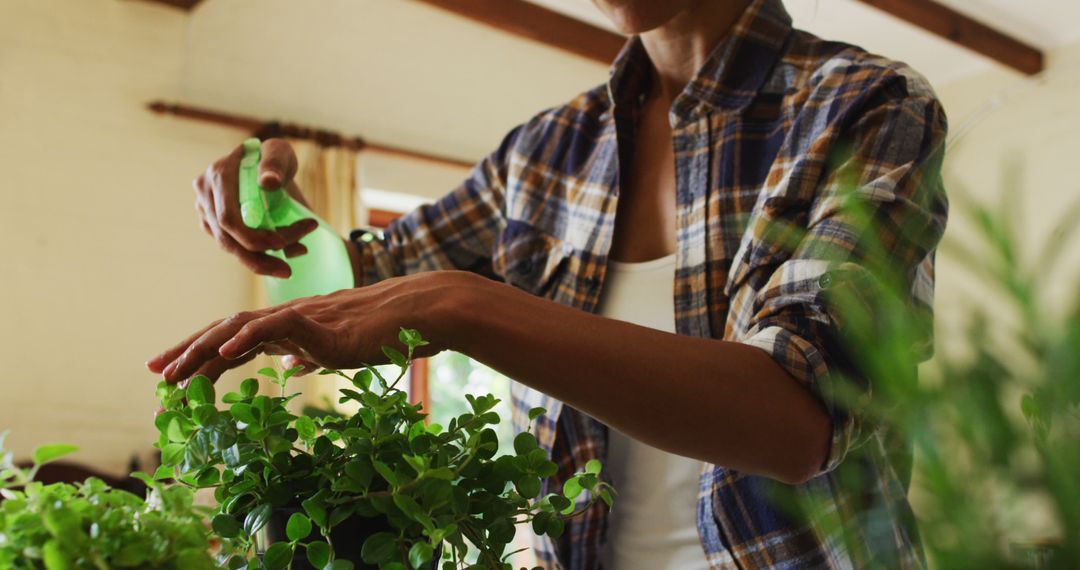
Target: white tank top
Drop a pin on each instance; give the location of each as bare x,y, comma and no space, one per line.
653,525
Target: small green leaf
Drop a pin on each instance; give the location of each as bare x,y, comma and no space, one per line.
420,554
379,548
256,519
163,472
395,356
316,510
226,526
528,486
605,495
278,556
269,373
244,412
54,557
524,443
555,527
559,503
200,390
593,466
387,474
360,471
306,428
298,527
232,398
52,452
362,379
318,554
536,412
172,454
572,488
205,414
249,387
409,506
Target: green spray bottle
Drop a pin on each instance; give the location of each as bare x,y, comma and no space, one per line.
325,267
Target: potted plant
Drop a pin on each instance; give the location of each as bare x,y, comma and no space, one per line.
381,489
91,526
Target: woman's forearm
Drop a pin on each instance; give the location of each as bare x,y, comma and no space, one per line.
723,402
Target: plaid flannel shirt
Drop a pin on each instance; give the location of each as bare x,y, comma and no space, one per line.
755,133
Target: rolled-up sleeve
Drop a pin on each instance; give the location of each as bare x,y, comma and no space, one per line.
881,195
456,232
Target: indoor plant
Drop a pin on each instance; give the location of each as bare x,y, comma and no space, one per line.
425,488
995,420
91,526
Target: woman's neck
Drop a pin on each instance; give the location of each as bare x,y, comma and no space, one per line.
679,48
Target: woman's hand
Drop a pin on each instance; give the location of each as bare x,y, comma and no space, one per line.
342,330
218,206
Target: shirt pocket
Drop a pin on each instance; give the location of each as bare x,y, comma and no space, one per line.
530,258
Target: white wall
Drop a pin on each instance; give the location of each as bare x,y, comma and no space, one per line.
1018,143
102,261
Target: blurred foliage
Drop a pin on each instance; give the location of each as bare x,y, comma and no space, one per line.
89,525
995,425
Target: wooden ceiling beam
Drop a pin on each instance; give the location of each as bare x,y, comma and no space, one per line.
547,26
537,23
182,4
965,31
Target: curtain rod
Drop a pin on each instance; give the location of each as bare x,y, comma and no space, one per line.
268,129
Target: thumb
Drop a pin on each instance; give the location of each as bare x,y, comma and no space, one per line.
278,165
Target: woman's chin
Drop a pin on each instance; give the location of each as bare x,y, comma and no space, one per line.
632,17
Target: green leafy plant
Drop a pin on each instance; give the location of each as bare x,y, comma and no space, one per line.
994,422
434,488
92,526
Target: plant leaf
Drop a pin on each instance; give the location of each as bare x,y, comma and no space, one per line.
52,452
306,428
379,548
256,519
249,387
318,554
226,526
278,556
420,554
395,356
593,466
200,390
298,527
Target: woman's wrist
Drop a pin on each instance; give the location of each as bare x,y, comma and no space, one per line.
450,314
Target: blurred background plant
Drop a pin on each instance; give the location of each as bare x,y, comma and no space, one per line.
90,525
995,420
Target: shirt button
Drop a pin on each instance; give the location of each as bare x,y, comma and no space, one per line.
825,281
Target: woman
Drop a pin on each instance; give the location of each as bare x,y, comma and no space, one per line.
641,294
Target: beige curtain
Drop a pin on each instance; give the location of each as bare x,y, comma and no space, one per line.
328,178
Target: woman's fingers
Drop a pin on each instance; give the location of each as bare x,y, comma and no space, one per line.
278,164
224,176
159,364
280,326
295,250
205,347
293,232
218,366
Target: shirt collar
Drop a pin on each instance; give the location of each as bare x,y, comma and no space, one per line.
730,77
